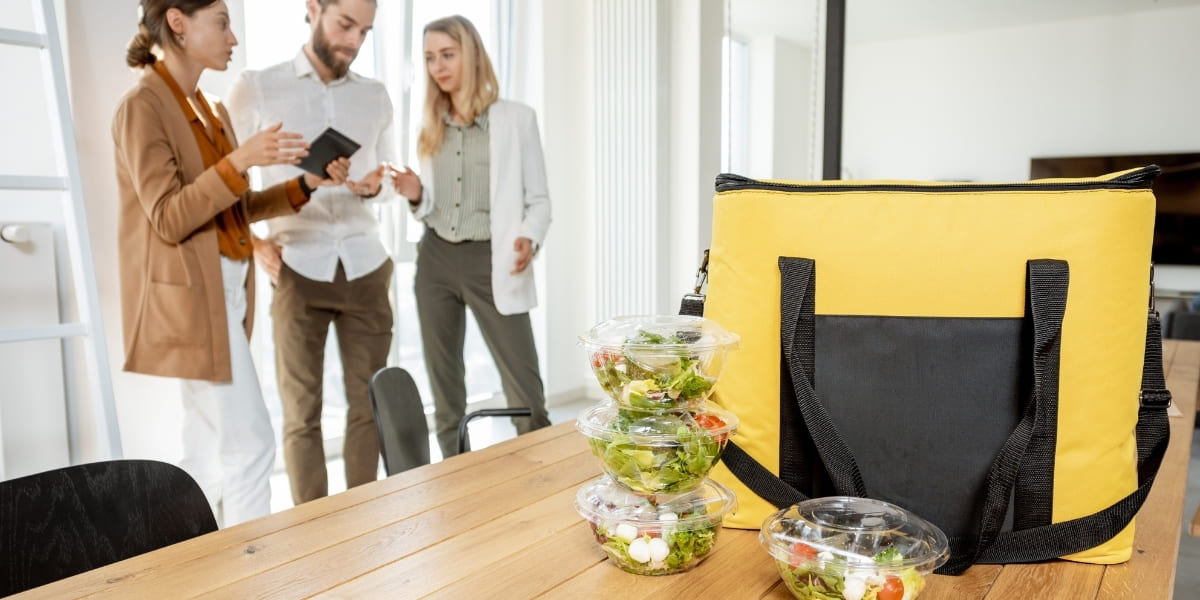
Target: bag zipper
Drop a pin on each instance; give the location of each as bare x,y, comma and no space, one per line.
1140,179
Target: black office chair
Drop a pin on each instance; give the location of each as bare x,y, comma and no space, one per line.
66,521
399,419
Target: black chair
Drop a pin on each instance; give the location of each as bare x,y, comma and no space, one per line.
399,419
66,521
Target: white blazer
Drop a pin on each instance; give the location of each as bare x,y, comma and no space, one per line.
519,200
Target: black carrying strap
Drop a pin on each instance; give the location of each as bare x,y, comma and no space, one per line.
796,328
1047,281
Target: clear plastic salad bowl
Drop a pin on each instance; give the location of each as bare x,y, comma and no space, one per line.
654,535
658,362
853,549
652,453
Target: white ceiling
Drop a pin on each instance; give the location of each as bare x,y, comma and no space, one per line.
872,20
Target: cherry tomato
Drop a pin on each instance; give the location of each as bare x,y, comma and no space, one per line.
712,423
599,359
801,553
893,589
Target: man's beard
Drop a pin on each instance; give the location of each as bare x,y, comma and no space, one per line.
325,53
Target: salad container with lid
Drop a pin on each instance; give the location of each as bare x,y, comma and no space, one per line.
654,534
654,453
658,362
853,549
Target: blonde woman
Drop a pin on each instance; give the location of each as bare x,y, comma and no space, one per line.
187,292
482,197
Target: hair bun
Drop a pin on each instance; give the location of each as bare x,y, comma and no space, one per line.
140,51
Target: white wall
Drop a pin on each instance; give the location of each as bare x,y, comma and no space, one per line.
781,109
694,135
569,138
979,105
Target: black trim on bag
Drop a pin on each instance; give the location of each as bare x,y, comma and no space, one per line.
1141,179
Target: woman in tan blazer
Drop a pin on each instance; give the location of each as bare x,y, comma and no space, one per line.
187,289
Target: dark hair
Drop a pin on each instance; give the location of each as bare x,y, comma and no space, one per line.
154,31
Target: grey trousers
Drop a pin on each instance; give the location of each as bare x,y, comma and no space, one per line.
450,278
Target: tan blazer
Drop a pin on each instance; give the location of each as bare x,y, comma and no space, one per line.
172,297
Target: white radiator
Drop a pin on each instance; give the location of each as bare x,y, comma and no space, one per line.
631,158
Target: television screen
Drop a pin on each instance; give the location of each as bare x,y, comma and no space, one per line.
1176,191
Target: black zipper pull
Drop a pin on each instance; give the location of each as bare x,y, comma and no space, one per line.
732,179
1143,177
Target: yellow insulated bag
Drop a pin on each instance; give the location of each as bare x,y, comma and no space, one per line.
980,354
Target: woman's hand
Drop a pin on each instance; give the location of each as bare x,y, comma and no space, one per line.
271,146
407,184
524,249
370,185
337,170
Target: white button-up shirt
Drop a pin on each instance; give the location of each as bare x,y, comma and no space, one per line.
336,224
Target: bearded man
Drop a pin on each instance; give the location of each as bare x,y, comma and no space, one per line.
326,261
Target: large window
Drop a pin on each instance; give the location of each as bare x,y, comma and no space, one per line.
274,31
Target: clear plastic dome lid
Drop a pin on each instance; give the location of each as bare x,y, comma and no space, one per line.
840,533
659,333
606,501
645,428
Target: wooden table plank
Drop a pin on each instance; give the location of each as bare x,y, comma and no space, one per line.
1053,580
1157,528
353,558
975,582
558,558
465,550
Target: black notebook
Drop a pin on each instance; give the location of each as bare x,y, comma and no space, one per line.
329,146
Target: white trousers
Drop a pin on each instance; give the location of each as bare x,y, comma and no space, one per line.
228,443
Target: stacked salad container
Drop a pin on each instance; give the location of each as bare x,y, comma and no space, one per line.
655,511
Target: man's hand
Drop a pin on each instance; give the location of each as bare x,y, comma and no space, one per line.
407,184
524,249
337,170
370,185
268,255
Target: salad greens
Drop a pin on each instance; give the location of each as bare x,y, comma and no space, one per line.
832,577
653,454
641,376
679,547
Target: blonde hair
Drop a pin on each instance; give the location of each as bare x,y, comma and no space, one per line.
479,85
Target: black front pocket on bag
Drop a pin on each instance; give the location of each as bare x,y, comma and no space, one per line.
924,404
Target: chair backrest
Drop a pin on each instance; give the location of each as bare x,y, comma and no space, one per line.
400,420
66,521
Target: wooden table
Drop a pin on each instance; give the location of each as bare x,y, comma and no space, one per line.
499,523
